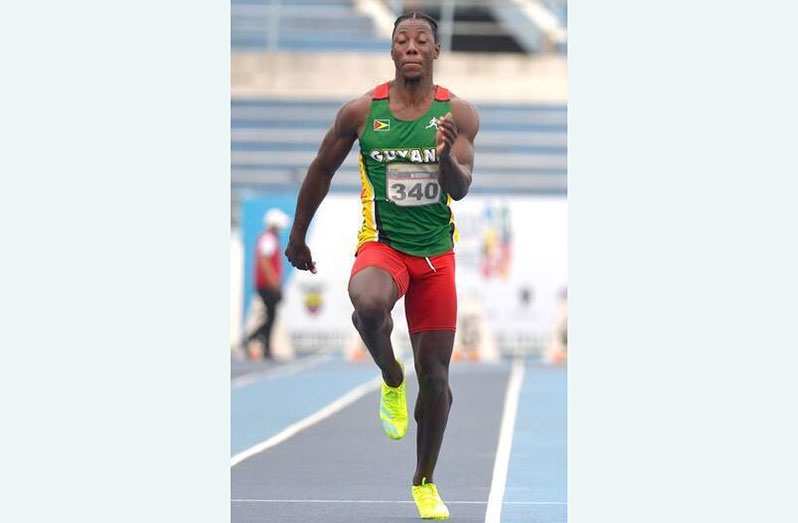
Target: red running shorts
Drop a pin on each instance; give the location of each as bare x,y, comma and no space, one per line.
427,283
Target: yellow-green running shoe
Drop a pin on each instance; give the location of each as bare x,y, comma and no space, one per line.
429,503
393,409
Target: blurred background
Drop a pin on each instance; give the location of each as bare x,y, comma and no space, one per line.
294,63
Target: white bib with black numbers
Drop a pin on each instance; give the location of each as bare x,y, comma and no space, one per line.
412,185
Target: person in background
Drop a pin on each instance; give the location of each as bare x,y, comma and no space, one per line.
269,275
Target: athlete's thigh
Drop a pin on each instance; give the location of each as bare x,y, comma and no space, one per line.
431,300
378,274
373,285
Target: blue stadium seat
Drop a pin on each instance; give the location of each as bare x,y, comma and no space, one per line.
306,25
520,147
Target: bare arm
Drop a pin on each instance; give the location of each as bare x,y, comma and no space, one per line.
455,148
333,151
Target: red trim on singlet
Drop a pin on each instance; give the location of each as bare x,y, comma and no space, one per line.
380,92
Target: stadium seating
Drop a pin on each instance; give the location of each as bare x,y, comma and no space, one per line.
335,25
302,25
520,147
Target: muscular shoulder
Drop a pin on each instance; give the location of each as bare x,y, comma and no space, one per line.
352,115
465,116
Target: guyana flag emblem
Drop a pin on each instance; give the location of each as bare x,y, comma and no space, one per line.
381,124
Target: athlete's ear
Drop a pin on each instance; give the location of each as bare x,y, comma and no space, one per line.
437,51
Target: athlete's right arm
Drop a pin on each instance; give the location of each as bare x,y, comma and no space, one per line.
333,151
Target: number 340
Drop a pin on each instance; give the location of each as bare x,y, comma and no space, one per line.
417,191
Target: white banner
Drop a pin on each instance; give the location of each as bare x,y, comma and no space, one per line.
511,271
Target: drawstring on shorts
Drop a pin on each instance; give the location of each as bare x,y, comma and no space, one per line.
430,264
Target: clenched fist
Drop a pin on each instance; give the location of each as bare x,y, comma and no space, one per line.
446,135
298,254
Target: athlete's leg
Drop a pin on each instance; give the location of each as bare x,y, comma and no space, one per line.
432,351
431,310
373,294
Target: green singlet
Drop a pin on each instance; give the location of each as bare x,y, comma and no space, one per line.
403,204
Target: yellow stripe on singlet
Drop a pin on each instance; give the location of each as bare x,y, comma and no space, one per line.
456,235
368,227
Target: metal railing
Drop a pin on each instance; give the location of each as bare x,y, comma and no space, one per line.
274,25
527,33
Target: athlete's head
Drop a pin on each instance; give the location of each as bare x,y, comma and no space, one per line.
415,44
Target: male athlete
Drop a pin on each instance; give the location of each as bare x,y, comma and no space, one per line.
417,154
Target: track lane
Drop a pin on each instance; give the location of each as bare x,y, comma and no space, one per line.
347,457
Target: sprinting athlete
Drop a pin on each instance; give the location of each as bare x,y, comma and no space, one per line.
416,155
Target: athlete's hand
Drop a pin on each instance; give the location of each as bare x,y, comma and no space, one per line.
446,135
298,254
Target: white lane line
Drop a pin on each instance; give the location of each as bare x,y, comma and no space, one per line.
285,370
325,412
494,511
389,501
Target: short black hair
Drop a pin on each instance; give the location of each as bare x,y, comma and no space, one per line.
419,15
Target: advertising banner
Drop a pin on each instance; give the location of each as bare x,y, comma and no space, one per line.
511,257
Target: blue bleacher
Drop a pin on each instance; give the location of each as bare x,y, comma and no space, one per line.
303,25
520,147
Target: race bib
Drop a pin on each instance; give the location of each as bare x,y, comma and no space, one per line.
412,185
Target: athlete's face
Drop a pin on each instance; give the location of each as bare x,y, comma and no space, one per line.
414,48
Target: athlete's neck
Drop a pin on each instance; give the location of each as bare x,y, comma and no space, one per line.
413,92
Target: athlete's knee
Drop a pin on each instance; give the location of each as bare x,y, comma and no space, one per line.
434,380
371,311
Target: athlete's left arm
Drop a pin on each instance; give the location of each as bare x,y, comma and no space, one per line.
455,147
